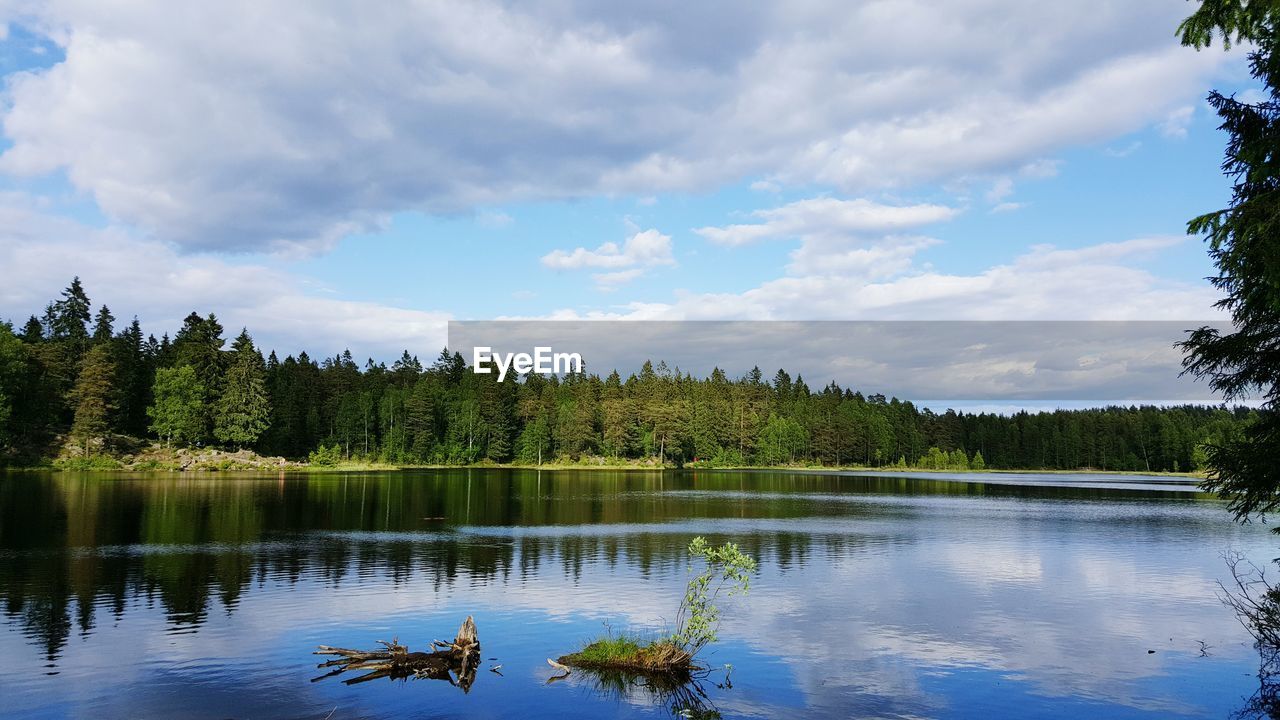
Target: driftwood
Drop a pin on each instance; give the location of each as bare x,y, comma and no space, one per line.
455,661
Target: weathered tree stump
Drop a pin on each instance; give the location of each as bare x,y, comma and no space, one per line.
455,662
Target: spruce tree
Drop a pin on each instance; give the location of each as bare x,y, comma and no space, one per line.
69,317
13,359
199,345
243,411
1244,243
33,331
103,326
94,397
134,376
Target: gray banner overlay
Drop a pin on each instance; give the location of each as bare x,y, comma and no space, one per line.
1100,361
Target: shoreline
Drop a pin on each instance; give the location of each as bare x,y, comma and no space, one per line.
307,468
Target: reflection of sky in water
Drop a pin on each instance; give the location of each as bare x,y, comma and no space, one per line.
205,600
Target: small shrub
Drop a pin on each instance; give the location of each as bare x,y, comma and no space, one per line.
326,455
92,462
698,619
152,464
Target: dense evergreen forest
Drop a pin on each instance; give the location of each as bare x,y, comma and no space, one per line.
72,377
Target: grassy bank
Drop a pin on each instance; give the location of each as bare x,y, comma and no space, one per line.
630,654
155,457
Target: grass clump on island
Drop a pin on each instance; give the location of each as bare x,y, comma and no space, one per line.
624,652
725,569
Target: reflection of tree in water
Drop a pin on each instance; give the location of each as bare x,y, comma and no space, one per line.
1265,702
75,546
682,694
1256,603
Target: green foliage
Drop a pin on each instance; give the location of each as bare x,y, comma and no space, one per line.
978,463
534,445
198,344
179,408
244,410
782,441
610,650
723,458
68,317
94,396
936,459
1233,20
87,463
1200,457
724,567
409,413
13,359
326,455
1242,242
102,326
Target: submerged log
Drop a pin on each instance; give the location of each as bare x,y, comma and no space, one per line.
455,662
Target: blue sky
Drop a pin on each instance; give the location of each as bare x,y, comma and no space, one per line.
333,177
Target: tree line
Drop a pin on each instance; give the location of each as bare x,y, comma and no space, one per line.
71,376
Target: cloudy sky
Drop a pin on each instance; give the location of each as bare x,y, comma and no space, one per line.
354,175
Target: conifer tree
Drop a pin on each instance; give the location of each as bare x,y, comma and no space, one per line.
103,326
244,410
199,345
94,397
33,331
134,374
13,360
1245,247
69,317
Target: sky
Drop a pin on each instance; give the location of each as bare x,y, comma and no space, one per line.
337,175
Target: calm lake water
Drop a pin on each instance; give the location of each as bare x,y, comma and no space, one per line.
878,596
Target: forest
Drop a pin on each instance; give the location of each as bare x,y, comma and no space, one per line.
70,380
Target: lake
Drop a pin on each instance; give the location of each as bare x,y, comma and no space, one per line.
968,596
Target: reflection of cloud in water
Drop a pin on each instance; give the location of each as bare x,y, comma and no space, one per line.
866,604
1082,629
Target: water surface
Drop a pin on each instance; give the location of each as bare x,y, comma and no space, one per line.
878,596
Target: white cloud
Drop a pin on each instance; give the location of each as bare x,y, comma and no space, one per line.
1040,169
289,125
1124,151
151,279
1175,124
1000,189
884,258
645,249
1005,207
827,217
1252,96
610,281
1099,282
